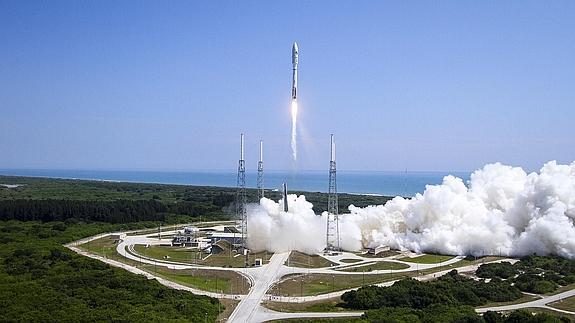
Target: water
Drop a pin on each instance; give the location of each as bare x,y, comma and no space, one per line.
357,182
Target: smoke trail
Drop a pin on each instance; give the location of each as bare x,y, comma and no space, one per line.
294,129
502,211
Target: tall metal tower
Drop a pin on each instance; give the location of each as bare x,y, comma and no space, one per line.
261,172
332,236
241,194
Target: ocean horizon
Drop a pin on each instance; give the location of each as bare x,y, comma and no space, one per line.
389,183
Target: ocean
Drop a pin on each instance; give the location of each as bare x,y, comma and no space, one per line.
355,182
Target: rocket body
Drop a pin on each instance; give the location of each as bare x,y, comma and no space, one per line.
294,59
285,197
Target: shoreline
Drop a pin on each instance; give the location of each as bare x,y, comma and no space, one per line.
177,184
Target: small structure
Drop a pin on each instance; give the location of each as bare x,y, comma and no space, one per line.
378,249
117,236
189,238
234,238
191,230
231,229
259,262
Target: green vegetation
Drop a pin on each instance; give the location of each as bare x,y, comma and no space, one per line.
350,261
427,259
503,270
315,284
302,260
435,313
450,298
323,320
382,254
191,201
533,274
105,247
326,305
40,280
452,289
524,299
446,313
527,315
172,254
227,258
380,265
567,304
217,281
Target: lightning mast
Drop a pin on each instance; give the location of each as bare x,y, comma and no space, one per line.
241,195
332,235
261,172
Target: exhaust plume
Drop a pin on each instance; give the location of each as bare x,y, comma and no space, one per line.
294,129
501,211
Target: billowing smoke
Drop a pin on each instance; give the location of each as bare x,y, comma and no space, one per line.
501,211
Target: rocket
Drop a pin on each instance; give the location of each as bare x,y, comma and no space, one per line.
294,56
285,197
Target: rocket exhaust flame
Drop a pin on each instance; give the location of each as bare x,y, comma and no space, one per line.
294,129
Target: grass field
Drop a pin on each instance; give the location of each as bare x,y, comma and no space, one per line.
382,254
380,265
208,280
350,261
526,298
218,281
228,258
105,247
326,305
230,305
302,260
427,259
322,320
315,284
567,304
550,312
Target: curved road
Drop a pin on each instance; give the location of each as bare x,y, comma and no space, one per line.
262,278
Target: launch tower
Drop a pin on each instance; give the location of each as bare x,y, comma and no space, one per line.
241,195
332,236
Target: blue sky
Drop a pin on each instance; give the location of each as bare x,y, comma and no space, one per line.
422,85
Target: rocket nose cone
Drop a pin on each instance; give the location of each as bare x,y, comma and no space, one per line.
294,48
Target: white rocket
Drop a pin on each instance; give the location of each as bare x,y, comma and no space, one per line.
294,56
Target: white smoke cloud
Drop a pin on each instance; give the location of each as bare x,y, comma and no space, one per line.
503,210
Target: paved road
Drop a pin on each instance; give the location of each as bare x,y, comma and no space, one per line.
262,278
249,305
151,276
542,302
304,299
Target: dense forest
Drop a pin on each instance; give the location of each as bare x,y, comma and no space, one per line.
42,281
450,289
452,297
533,274
59,199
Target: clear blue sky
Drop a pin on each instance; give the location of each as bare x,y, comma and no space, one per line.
423,85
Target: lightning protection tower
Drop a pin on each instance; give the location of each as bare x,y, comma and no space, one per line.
261,172
332,236
241,195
